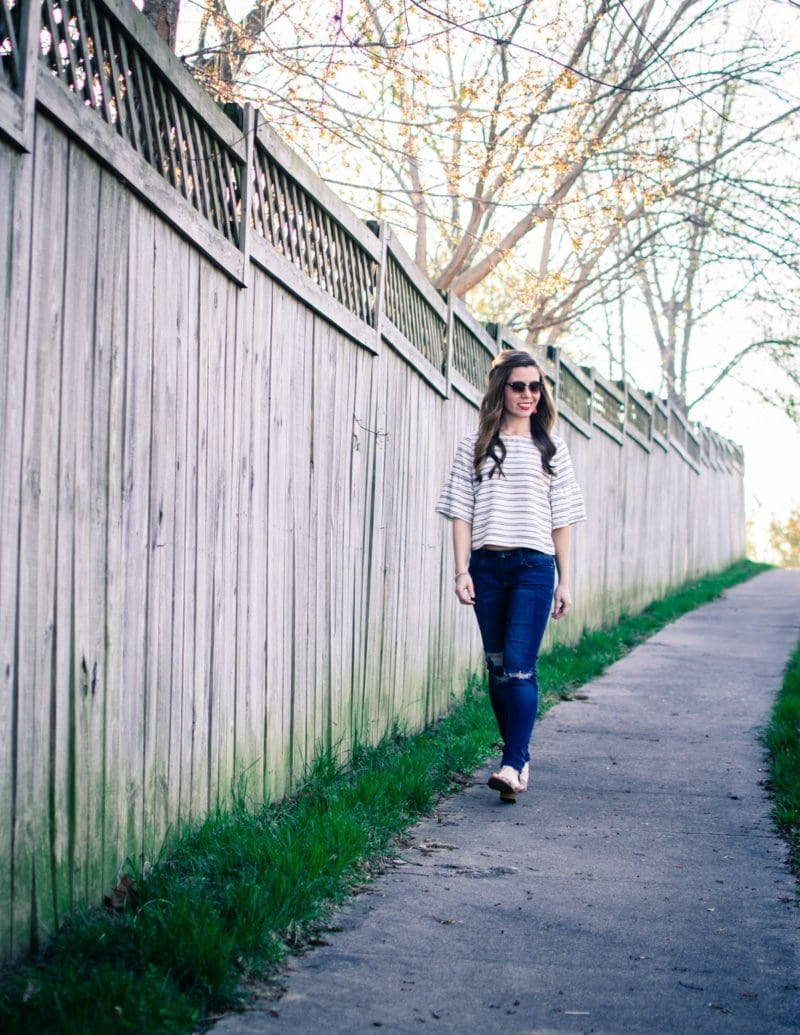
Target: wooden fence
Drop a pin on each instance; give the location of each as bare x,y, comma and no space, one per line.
227,409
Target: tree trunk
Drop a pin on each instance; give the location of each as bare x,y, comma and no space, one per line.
163,16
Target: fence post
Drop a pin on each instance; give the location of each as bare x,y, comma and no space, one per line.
589,371
449,343
623,384
29,44
249,128
380,231
18,99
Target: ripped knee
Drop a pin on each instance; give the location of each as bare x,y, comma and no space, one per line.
494,663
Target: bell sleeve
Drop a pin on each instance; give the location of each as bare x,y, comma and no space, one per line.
457,497
566,499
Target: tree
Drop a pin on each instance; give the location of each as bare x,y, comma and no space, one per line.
556,163
724,240
163,16
784,538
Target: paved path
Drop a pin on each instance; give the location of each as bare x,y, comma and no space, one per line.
638,886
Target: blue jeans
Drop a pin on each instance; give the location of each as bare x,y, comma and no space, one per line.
513,598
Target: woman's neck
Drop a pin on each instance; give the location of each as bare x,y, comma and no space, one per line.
515,426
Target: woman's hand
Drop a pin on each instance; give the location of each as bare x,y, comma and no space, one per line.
562,601
465,591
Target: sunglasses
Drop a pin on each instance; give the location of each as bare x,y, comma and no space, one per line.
519,386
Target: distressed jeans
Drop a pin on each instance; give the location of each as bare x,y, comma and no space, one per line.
513,598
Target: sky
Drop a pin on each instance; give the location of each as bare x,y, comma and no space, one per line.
771,445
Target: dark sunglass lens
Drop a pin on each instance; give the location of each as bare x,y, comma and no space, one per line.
520,386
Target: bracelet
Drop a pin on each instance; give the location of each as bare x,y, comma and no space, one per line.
458,574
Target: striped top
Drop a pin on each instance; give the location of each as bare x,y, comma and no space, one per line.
522,506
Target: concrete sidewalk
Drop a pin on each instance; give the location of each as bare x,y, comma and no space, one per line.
638,886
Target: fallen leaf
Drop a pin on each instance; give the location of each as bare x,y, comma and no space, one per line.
436,846
123,895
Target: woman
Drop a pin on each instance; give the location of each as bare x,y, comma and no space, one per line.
512,497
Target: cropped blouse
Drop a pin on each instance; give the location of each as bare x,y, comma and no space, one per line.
519,507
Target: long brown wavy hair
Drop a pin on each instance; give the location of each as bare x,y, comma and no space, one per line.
489,442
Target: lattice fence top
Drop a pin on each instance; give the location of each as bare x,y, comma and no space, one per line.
290,218
471,358
93,55
660,421
574,393
608,406
677,429
638,416
413,316
10,64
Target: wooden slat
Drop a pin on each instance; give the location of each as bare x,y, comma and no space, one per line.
111,306
279,600
233,193
162,595
164,115
225,654
212,179
82,521
296,406
154,152
113,81
261,208
84,52
132,93
107,386
171,105
309,252
98,66
189,671
205,519
16,174
34,904
259,689
198,166
249,484
132,624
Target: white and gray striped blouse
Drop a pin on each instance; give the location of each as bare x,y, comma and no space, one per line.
522,506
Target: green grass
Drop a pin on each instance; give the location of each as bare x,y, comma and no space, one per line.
783,745
233,896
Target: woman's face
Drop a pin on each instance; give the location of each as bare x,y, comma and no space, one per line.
521,403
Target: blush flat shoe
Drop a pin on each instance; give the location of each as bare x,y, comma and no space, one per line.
506,780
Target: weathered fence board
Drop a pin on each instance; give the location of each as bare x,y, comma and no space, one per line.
227,409
15,227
